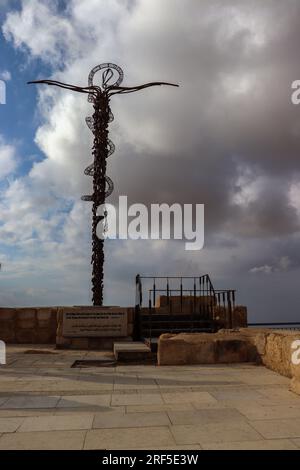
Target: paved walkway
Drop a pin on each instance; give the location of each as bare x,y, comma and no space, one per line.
46,404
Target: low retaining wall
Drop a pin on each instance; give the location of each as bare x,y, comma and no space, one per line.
43,325
204,348
28,325
278,350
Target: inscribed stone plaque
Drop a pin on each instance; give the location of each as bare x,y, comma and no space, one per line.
106,323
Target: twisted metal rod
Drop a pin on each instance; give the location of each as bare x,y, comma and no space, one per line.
103,147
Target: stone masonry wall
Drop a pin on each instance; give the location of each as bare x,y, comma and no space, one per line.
272,348
41,325
28,325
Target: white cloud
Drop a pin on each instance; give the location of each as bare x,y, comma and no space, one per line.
7,159
281,265
5,75
266,269
28,28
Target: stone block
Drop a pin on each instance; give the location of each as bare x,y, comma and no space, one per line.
46,317
185,349
175,304
60,315
7,314
239,317
45,336
26,313
231,351
130,329
204,348
278,353
26,324
44,314
7,325
130,315
80,343
220,314
59,330
26,319
25,336
295,385
256,336
7,334
62,342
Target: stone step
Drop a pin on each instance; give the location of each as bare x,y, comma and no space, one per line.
136,351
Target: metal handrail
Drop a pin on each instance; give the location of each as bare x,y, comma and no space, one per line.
201,287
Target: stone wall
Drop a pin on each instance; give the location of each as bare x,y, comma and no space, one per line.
188,305
28,325
239,317
204,348
43,325
272,348
275,351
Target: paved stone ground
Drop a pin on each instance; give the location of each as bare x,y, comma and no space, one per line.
46,404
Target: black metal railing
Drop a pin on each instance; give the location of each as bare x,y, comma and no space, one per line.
175,295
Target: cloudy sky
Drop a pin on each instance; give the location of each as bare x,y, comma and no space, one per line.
229,138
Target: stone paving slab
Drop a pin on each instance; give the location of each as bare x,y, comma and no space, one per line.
88,410
205,416
136,399
155,408
129,438
296,442
130,420
54,440
276,444
278,428
278,393
189,397
20,413
10,424
3,400
77,401
214,432
30,402
138,385
56,423
279,411
270,379
236,394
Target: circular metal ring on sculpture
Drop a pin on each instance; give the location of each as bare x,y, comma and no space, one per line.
106,67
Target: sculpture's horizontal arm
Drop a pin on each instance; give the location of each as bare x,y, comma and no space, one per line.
122,89
112,90
88,90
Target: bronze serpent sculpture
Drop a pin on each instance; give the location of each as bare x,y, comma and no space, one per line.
103,147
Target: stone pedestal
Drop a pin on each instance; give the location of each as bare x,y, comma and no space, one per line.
93,327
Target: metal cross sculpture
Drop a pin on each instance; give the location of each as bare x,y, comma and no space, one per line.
103,147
